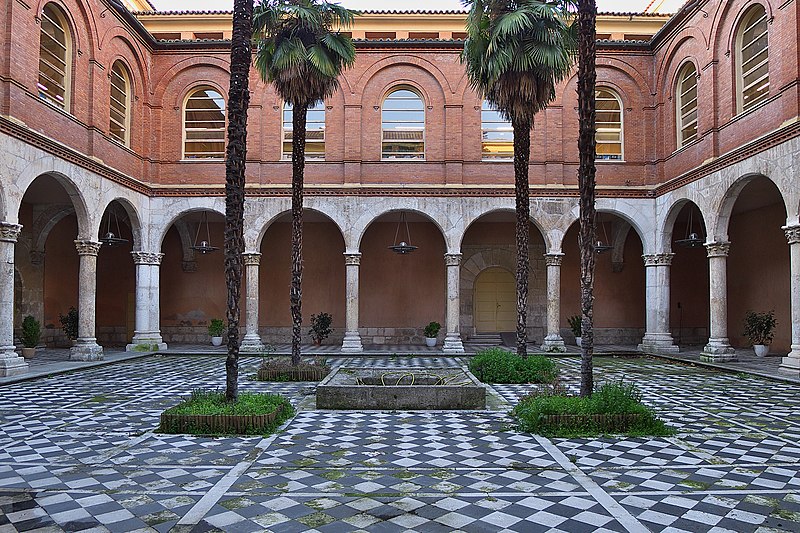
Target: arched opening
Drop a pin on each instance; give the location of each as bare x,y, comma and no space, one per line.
758,262
323,283
116,277
619,287
46,281
490,243
689,308
192,279
401,293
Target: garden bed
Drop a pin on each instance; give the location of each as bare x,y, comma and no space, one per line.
495,365
283,371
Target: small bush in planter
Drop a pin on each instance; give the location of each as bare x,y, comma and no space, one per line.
320,327
495,365
216,327
69,323
432,330
31,332
759,327
575,324
281,369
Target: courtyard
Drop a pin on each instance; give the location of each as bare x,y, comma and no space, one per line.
80,452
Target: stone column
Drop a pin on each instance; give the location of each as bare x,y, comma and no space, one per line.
11,364
791,363
719,346
452,339
147,334
553,341
657,337
86,348
352,339
251,343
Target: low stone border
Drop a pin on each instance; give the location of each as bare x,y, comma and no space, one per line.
217,424
300,373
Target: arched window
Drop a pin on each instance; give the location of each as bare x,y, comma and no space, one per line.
120,103
403,125
609,125
686,104
497,135
55,57
204,125
315,131
752,58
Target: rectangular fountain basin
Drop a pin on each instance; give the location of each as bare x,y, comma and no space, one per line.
401,389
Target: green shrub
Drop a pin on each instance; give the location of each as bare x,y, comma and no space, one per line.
31,332
495,365
575,324
69,323
759,327
557,415
216,327
432,330
320,327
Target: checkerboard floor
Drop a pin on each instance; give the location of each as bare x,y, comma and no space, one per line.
79,452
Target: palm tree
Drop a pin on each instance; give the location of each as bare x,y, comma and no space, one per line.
587,15
516,52
235,157
301,55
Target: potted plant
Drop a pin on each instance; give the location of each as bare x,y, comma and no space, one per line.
320,327
215,330
758,327
31,333
575,323
431,331
69,324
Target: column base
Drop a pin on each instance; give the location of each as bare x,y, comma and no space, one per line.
553,343
718,350
453,344
86,350
658,343
791,363
151,342
11,364
352,342
251,343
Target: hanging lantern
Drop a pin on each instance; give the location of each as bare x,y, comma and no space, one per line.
402,247
204,246
602,247
693,239
110,238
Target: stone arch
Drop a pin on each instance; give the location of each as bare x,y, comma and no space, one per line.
40,230
664,238
726,203
161,232
322,210
470,270
362,229
627,212
133,217
76,196
476,218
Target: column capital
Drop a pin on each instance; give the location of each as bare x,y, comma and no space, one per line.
452,260
352,259
718,249
651,260
87,247
251,258
9,232
147,258
553,260
792,234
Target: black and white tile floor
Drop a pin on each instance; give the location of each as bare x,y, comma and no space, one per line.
78,452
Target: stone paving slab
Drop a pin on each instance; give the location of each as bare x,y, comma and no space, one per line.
78,452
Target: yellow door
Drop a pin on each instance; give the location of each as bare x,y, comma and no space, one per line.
495,301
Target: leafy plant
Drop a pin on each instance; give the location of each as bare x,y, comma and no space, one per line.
320,327
69,323
613,408
495,365
758,327
31,332
575,323
432,330
216,327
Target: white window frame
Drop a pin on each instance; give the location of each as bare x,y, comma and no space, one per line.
494,126
621,157
53,14
125,125
416,156
755,15
682,103
218,156
288,127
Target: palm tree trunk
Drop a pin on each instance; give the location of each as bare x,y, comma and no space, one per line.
522,154
298,166
235,158
587,14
